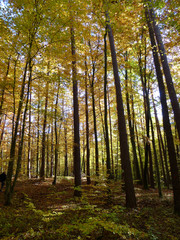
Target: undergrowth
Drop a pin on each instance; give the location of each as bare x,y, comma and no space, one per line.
90,217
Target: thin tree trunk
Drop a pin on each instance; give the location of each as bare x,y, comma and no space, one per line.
56,139
95,125
151,171
38,130
139,152
52,151
47,152
166,180
65,143
29,141
14,97
87,127
108,161
147,117
42,170
131,129
111,137
156,159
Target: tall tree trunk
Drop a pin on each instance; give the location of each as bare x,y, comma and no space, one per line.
87,127
66,150
52,151
111,138
131,129
19,160
156,159
139,152
47,151
166,178
65,141
125,158
38,130
56,137
14,96
29,141
165,65
166,122
147,117
76,150
151,171
42,170
94,109
108,161
94,120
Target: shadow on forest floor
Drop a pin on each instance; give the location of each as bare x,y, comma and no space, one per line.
41,210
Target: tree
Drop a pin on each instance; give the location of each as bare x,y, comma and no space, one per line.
126,166
76,147
108,161
87,126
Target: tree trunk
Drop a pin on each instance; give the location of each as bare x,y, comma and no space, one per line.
95,125
47,152
76,150
52,151
166,178
156,159
65,141
125,158
29,141
19,160
42,170
56,138
147,117
111,138
87,127
108,161
38,130
131,129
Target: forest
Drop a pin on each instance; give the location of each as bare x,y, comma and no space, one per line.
90,119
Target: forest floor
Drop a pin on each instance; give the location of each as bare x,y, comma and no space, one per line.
41,210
